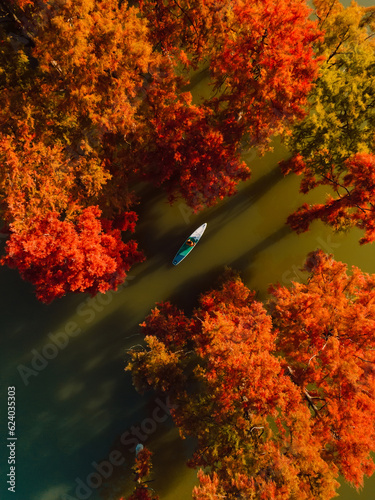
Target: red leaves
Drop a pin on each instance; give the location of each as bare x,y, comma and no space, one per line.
208,488
189,157
60,256
354,205
142,469
233,388
268,62
171,326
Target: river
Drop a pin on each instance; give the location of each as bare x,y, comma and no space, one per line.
75,403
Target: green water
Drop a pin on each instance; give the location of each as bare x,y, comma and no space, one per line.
75,407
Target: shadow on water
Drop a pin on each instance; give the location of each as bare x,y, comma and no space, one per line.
82,398
73,395
186,296
166,445
160,249
197,78
229,209
242,263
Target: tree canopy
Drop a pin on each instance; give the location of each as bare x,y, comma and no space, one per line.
334,144
94,99
279,399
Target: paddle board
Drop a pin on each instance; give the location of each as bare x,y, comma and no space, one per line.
185,248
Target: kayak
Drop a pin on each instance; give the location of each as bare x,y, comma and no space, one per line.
185,248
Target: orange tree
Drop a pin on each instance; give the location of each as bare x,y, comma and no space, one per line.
327,340
142,469
259,56
280,402
71,80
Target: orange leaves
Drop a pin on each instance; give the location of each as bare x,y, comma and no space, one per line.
268,62
329,349
252,426
59,256
97,60
106,83
141,470
34,179
278,409
189,157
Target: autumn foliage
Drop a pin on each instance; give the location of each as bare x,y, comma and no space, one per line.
333,146
353,204
60,256
280,400
141,470
327,340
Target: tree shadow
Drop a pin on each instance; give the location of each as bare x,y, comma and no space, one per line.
160,249
197,78
187,295
241,263
242,200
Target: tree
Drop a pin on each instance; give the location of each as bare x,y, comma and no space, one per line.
326,341
102,102
250,419
354,204
264,69
83,91
69,97
93,99
60,256
188,30
188,156
337,135
281,400
142,469
260,56
193,151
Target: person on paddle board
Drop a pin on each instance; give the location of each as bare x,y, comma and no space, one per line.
190,242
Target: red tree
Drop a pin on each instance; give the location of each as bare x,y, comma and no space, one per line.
264,68
189,157
277,411
354,204
60,256
261,68
142,469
